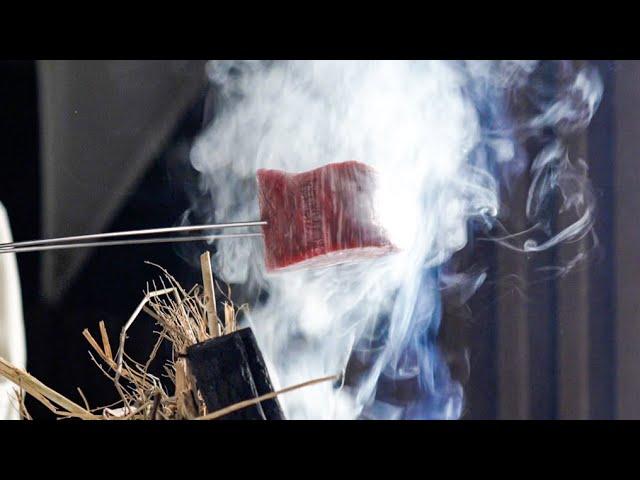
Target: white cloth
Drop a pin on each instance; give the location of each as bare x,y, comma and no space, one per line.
12,337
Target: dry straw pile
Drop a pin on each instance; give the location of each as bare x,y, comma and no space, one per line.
184,318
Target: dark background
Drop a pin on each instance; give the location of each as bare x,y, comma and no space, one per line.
110,284
536,349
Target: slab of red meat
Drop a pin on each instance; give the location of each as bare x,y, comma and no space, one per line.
320,217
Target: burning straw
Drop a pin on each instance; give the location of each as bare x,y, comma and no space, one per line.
185,318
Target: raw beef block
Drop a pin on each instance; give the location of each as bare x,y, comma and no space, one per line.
320,217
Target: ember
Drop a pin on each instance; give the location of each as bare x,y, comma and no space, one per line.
320,217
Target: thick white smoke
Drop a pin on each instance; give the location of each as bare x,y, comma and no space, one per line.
421,124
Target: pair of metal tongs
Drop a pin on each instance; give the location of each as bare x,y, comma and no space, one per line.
150,235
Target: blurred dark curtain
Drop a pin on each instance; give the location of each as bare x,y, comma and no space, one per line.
567,347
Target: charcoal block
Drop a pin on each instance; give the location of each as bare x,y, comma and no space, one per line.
230,369
261,379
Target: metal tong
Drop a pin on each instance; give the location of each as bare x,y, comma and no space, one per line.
119,238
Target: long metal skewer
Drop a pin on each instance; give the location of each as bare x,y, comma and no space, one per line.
14,246
132,241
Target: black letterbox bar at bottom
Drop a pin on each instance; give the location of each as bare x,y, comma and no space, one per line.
230,369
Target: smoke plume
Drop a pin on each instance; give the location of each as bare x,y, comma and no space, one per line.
446,137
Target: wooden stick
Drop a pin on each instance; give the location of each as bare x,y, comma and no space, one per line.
24,413
181,388
209,294
105,340
93,343
247,403
229,319
34,387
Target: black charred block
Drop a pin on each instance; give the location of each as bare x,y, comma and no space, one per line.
230,369
261,379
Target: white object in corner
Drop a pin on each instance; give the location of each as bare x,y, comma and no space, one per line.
12,337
